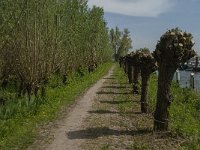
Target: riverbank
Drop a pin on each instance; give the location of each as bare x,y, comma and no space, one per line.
185,79
184,113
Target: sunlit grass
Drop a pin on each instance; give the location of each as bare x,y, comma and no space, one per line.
19,118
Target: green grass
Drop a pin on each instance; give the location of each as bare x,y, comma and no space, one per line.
184,111
20,118
137,145
127,106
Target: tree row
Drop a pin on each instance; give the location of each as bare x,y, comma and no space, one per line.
39,38
174,48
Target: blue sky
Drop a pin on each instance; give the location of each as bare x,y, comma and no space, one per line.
147,20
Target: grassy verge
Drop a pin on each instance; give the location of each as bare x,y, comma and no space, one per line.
184,111
131,101
20,118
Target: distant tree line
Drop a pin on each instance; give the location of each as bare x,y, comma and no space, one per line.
121,42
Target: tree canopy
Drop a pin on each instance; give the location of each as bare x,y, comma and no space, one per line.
121,42
39,38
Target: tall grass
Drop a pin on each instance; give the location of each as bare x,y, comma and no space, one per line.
20,118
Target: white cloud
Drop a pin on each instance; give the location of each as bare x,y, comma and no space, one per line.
142,8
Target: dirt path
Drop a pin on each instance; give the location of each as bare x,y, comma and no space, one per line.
107,117
116,123
73,121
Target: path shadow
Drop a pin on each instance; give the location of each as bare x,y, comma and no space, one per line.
124,93
114,75
93,133
100,111
116,83
109,78
116,87
118,102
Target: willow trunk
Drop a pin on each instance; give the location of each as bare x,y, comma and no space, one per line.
126,67
164,97
144,94
136,74
130,79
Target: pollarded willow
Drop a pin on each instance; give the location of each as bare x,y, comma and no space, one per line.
174,48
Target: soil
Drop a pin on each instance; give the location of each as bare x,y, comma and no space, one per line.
106,117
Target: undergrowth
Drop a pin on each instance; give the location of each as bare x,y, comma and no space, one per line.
20,118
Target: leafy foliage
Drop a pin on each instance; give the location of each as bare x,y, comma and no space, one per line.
147,62
174,48
41,38
121,42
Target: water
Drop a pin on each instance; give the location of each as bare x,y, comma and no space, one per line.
185,79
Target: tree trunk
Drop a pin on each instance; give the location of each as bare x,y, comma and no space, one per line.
164,97
22,89
144,94
29,90
36,89
136,74
4,83
65,79
43,92
125,67
120,63
130,74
